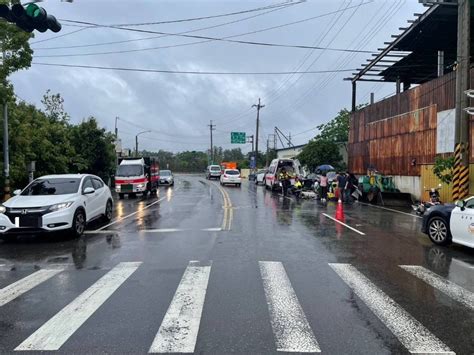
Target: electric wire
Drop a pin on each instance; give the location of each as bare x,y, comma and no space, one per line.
207,39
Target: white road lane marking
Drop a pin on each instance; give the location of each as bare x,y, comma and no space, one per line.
179,330
411,333
130,215
162,230
290,326
24,285
449,288
134,213
390,209
56,331
217,229
345,225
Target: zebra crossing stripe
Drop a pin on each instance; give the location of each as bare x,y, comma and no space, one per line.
179,330
411,333
290,326
449,288
56,331
24,285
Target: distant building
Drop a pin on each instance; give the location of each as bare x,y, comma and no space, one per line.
290,152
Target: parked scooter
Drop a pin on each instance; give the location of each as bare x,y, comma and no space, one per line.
434,200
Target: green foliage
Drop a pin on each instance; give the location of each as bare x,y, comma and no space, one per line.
321,151
325,147
444,169
57,146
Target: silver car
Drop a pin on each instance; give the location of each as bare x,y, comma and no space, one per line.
166,178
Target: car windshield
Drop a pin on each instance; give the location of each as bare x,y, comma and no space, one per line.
52,187
129,170
215,168
165,173
232,172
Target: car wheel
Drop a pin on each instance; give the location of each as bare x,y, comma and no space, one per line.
79,223
239,185
108,211
121,196
438,231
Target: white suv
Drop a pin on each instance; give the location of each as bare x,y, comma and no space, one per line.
56,202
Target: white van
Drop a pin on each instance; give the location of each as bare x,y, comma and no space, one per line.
213,172
292,166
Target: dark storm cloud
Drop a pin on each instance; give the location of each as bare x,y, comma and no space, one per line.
178,107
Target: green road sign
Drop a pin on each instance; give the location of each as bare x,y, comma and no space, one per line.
238,138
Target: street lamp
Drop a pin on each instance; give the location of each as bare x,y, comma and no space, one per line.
136,141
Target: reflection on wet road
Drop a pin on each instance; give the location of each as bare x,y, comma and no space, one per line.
211,270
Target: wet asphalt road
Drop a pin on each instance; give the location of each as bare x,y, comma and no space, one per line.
237,271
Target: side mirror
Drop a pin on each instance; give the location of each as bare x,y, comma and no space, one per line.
16,192
89,191
461,204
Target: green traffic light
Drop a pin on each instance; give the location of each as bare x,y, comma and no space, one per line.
32,10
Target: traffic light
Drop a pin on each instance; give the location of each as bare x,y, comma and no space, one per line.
30,18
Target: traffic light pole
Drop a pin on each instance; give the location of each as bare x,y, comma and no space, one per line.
6,153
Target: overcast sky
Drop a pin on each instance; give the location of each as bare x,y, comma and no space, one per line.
178,107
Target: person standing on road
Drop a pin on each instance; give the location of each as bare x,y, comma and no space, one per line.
323,183
285,181
341,184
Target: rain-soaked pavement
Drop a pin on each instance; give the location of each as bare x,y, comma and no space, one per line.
238,270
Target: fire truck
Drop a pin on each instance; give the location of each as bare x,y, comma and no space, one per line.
137,175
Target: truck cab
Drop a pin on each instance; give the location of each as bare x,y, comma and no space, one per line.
136,175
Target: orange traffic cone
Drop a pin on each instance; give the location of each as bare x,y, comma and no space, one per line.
340,212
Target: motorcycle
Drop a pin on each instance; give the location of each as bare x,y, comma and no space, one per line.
434,200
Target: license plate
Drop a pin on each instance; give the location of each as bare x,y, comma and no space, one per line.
162,181
127,188
30,221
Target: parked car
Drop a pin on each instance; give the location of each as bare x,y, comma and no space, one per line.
56,203
253,175
166,178
449,223
292,166
261,177
231,176
213,172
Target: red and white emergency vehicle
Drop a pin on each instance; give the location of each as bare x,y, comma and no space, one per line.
137,175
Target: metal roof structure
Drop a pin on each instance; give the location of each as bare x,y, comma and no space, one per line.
412,56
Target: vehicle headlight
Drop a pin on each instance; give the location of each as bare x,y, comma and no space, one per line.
140,186
60,206
3,209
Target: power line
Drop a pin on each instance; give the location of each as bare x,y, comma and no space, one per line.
281,87
185,72
282,4
162,36
59,36
211,39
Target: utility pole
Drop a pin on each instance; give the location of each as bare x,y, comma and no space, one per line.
6,153
116,129
289,140
461,156
212,127
259,106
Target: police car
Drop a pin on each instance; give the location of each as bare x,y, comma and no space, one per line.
446,224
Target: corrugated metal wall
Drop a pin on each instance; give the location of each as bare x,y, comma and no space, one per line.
391,133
